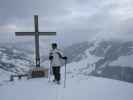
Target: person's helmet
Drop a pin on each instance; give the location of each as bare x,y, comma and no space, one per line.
54,45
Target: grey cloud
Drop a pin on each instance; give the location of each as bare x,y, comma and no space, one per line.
70,18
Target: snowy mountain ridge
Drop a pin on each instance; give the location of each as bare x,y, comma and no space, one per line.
13,61
104,57
99,58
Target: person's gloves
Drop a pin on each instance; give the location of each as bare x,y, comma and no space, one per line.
50,57
65,58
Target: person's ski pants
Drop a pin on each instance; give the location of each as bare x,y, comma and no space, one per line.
56,73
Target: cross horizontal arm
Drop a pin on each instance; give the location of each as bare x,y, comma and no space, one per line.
47,33
33,33
24,33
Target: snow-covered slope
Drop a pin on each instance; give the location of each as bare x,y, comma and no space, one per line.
80,88
14,60
123,61
110,58
4,76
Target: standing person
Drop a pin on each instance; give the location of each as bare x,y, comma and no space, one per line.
55,57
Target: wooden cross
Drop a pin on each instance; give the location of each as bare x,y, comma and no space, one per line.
36,34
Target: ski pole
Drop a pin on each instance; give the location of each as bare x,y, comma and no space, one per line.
50,71
65,75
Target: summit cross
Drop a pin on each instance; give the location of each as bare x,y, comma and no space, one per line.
36,34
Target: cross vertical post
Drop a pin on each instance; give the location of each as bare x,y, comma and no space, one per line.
37,41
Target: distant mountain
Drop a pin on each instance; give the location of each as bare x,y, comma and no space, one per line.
76,52
112,53
105,58
14,60
110,58
102,58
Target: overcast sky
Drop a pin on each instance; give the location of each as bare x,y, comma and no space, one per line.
73,20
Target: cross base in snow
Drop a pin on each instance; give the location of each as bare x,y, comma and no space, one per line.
39,72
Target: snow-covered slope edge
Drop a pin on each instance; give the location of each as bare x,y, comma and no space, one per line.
78,88
104,58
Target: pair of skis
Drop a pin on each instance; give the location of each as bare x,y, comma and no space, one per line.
50,72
